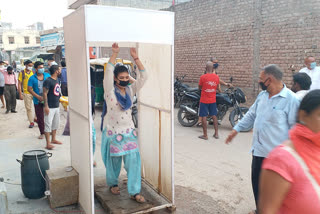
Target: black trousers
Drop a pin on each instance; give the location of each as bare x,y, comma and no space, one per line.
10,96
255,176
64,89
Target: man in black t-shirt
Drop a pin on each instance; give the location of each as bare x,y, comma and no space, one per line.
51,96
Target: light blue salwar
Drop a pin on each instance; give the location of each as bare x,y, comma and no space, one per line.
94,137
119,138
132,164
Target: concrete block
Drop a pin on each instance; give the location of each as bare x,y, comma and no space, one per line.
63,186
3,199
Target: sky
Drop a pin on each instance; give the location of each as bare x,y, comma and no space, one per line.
22,13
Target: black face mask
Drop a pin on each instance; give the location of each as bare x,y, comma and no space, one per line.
215,65
263,86
123,83
293,88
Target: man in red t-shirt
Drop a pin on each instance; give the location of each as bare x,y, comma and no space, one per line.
208,85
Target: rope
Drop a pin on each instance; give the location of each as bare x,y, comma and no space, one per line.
40,169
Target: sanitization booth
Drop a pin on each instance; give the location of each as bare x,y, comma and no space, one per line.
152,33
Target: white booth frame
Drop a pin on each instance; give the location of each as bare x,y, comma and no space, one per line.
153,33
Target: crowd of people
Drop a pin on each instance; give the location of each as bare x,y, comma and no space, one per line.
41,87
285,169
119,139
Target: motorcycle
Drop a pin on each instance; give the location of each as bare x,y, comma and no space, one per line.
179,89
231,98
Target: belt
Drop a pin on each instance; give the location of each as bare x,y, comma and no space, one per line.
10,84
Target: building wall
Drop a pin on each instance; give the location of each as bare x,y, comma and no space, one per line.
145,4
245,35
19,41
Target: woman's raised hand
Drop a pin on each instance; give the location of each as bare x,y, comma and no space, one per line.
115,48
133,53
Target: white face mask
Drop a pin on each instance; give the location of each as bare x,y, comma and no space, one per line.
1,66
30,68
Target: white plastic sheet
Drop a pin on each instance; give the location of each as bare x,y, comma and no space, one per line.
152,32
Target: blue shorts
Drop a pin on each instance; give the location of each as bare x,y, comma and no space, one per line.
209,109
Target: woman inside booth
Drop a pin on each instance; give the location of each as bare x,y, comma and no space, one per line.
119,137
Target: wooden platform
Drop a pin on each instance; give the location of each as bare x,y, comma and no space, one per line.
116,204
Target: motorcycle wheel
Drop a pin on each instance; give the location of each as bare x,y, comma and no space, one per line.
186,119
235,117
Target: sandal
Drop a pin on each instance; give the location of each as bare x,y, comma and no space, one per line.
49,147
138,198
115,190
56,142
203,137
199,124
216,136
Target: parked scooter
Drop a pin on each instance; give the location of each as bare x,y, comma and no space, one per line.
231,98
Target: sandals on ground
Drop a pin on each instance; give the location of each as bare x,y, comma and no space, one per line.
199,124
115,190
203,137
138,198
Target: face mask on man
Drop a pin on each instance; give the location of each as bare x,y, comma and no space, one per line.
263,86
313,65
41,70
1,66
293,88
123,83
215,65
29,68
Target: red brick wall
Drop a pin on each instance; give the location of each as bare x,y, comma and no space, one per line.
245,35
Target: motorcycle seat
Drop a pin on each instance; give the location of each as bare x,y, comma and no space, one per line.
191,89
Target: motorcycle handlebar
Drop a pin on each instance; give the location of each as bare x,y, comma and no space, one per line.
229,89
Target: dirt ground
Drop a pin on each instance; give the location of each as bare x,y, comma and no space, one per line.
210,177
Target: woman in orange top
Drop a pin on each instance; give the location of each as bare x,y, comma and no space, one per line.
290,179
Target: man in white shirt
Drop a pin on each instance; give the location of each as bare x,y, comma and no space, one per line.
313,71
301,84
